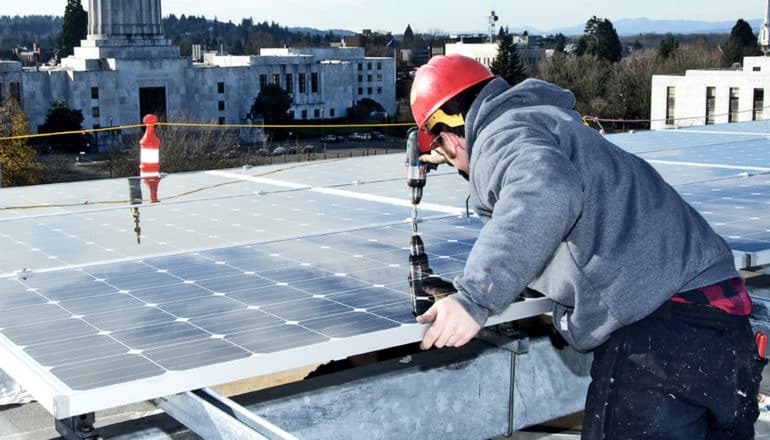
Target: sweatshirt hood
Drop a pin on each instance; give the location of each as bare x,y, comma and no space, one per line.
497,96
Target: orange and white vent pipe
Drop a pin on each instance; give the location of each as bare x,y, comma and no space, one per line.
149,157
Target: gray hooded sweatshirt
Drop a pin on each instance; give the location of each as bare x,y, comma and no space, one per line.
570,215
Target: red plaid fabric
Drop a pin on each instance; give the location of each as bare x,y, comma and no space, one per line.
728,295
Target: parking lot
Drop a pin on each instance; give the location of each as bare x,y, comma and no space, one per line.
326,143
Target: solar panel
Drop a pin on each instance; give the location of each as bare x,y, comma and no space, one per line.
750,153
641,142
722,171
126,326
250,271
80,238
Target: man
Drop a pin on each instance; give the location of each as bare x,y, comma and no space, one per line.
635,274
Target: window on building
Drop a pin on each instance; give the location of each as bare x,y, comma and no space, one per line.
94,92
15,91
220,87
670,104
302,85
331,112
368,66
94,112
291,114
732,114
221,105
379,90
368,90
360,91
221,120
262,80
369,78
759,103
304,114
360,78
379,66
289,83
711,98
276,79
756,69
314,82
360,66
379,77
317,113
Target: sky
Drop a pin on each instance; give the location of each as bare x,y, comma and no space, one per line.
446,16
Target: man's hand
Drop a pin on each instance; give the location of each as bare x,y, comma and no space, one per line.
434,157
452,325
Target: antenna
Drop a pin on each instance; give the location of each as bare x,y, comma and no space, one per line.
764,30
493,19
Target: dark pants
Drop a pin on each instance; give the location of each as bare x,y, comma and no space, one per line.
684,372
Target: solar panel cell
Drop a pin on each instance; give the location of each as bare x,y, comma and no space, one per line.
106,371
370,297
349,324
272,339
195,354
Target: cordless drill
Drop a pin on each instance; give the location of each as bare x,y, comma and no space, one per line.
419,271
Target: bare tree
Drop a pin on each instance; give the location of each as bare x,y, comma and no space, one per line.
622,90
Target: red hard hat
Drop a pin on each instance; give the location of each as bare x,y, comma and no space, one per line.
440,80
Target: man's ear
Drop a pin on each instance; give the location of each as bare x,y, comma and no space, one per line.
452,141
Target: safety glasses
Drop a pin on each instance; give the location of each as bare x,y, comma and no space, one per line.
437,142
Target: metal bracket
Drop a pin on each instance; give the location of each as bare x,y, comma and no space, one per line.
505,337
216,417
515,341
748,260
78,428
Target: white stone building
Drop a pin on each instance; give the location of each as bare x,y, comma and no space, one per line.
125,68
485,53
701,97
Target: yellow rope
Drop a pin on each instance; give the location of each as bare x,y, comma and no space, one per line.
197,124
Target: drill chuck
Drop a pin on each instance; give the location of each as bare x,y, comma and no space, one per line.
415,194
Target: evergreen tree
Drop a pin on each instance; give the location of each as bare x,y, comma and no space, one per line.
668,46
273,104
507,63
408,36
560,42
17,159
74,28
601,39
363,109
61,118
742,42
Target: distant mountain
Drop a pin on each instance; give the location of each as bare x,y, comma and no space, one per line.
314,31
635,26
